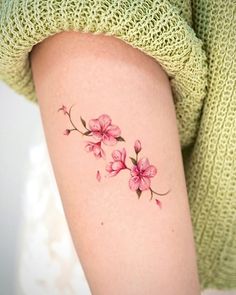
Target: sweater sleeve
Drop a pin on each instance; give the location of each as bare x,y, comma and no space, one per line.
159,28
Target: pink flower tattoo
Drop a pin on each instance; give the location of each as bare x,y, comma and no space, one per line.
100,129
118,163
141,172
96,148
104,132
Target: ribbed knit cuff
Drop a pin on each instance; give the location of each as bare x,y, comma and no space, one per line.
154,26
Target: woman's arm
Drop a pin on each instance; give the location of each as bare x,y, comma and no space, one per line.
126,243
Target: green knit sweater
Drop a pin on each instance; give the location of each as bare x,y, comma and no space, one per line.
195,43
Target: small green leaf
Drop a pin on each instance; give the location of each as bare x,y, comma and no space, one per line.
139,192
83,121
133,161
120,138
87,132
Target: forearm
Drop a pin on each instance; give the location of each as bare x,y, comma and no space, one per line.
127,245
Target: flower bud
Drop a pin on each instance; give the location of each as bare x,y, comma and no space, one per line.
63,108
67,132
137,146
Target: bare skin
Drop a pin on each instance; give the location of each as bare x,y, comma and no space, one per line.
126,245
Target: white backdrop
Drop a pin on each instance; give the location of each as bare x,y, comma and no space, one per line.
36,253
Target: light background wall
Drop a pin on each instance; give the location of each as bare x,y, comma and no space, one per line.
18,120
21,129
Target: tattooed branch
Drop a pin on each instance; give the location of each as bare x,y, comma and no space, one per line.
104,133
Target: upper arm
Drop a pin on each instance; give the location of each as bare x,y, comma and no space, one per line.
126,244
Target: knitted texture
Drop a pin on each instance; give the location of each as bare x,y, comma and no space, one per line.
155,27
195,44
211,162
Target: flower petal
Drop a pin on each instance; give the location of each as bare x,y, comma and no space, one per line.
109,167
103,154
134,170
97,135
143,164
97,156
134,183
96,150
113,130
104,121
123,156
94,125
116,155
158,203
113,173
144,183
150,171
108,140
117,165
88,147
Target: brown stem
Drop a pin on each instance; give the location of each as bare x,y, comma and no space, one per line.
151,194
152,191
75,128
127,168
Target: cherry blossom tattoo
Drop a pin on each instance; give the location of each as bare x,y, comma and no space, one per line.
101,129
104,133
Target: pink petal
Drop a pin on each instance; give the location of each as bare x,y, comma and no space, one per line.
113,130
144,183
134,183
113,173
143,164
97,135
103,154
108,140
97,156
96,149
88,147
150,171
98,176
123,155
104,121
109,167
134,171
117,165
116,155
158,203
94,125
